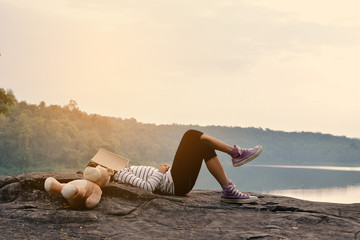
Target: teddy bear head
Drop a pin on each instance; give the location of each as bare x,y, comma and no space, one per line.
98,174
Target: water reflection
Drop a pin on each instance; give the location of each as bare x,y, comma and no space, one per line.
315,183
331,168
350,194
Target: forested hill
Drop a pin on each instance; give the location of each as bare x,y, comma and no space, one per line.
55,138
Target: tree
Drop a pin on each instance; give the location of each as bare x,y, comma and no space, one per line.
7,99
72,105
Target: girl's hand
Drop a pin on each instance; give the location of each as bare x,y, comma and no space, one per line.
164,168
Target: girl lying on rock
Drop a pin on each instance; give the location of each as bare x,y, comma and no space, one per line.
179,179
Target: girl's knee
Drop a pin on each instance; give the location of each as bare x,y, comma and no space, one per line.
192,133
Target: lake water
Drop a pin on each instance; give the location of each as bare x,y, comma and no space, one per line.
315,183
330,168
350,194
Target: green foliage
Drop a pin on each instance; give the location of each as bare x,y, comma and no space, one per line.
55,138
7,100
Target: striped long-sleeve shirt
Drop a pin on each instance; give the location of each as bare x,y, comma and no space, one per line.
146,177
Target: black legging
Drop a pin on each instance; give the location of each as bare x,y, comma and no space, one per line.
188,159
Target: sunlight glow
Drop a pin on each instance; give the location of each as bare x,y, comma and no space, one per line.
282,65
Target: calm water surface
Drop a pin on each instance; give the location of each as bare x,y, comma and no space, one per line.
348,194
314,183
330,168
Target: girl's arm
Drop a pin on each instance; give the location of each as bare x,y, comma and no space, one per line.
152,175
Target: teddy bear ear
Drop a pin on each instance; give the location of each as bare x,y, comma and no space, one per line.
92,164
110,171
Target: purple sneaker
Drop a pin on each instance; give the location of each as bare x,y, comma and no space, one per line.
231,194
240,156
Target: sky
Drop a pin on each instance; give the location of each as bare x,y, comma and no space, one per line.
283,65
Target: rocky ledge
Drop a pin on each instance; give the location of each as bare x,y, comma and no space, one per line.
27,211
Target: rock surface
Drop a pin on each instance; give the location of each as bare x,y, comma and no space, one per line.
27,211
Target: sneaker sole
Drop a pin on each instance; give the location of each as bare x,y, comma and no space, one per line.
258,152
236,200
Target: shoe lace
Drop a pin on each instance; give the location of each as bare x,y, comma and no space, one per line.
233,189
248,150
